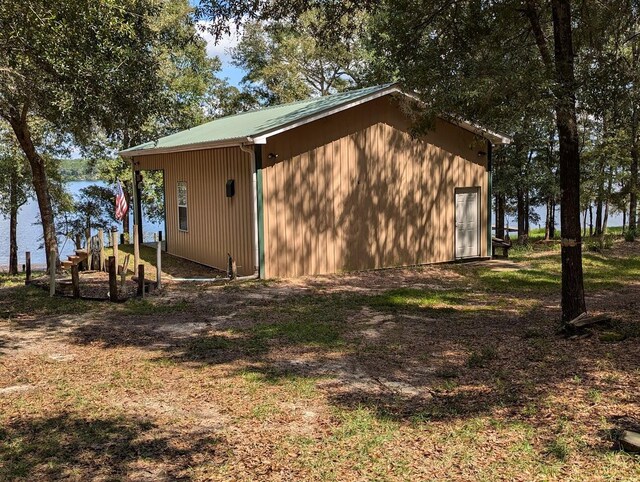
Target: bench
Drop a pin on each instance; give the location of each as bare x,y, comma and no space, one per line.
502,244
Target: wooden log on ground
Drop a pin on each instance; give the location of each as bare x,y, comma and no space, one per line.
140,279
136,247
52,273
27,256
585,320
630,441
75,281
113,280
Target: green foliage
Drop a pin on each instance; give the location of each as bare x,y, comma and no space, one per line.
77,63
15,177
286,61
77,170
92,209
599,244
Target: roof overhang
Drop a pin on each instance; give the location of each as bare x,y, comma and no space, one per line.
191,147
495,138
261,137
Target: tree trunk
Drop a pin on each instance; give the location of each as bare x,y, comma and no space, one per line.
605,219
633,193
633,181
547,221
527,210
500,217
552,227
590,220
521,207
40,181
600,196
13,224
573,303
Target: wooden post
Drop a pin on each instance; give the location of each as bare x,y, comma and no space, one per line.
103,264
114,242
113,280
52,273
159,263
75,280
136,248
232,270
141,280
160,236
122,240
87,235
28,267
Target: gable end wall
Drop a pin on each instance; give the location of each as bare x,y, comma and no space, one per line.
355,191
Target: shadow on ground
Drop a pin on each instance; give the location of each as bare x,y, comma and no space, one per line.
107,448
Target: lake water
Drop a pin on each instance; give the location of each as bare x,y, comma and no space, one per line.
30,230
615,219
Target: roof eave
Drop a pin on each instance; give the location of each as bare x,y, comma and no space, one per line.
189,147
495,138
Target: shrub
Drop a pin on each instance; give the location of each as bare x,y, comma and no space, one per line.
630,235
600,243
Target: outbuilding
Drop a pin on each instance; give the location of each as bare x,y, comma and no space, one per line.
325,185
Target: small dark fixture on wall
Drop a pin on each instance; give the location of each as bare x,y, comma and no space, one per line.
231,187
481,153
272,156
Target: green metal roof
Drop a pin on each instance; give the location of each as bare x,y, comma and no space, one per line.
249,125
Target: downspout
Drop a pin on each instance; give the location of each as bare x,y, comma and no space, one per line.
254,208
489,195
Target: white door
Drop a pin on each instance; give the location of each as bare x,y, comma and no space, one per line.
467,232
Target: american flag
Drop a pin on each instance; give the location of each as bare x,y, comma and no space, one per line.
121,203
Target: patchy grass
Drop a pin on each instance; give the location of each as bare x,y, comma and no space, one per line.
412,298
436,373
18,300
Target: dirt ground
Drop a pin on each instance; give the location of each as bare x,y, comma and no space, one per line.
449,372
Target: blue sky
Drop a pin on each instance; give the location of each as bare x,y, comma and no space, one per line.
221,49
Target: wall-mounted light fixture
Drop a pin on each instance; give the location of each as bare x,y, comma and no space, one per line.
272,155
231,187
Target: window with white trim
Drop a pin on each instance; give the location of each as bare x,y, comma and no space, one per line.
182,206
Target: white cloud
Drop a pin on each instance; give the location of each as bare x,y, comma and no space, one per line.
224,45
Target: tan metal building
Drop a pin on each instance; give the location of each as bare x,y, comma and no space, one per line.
325,185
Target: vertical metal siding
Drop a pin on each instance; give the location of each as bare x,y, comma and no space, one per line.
356,191
217,225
